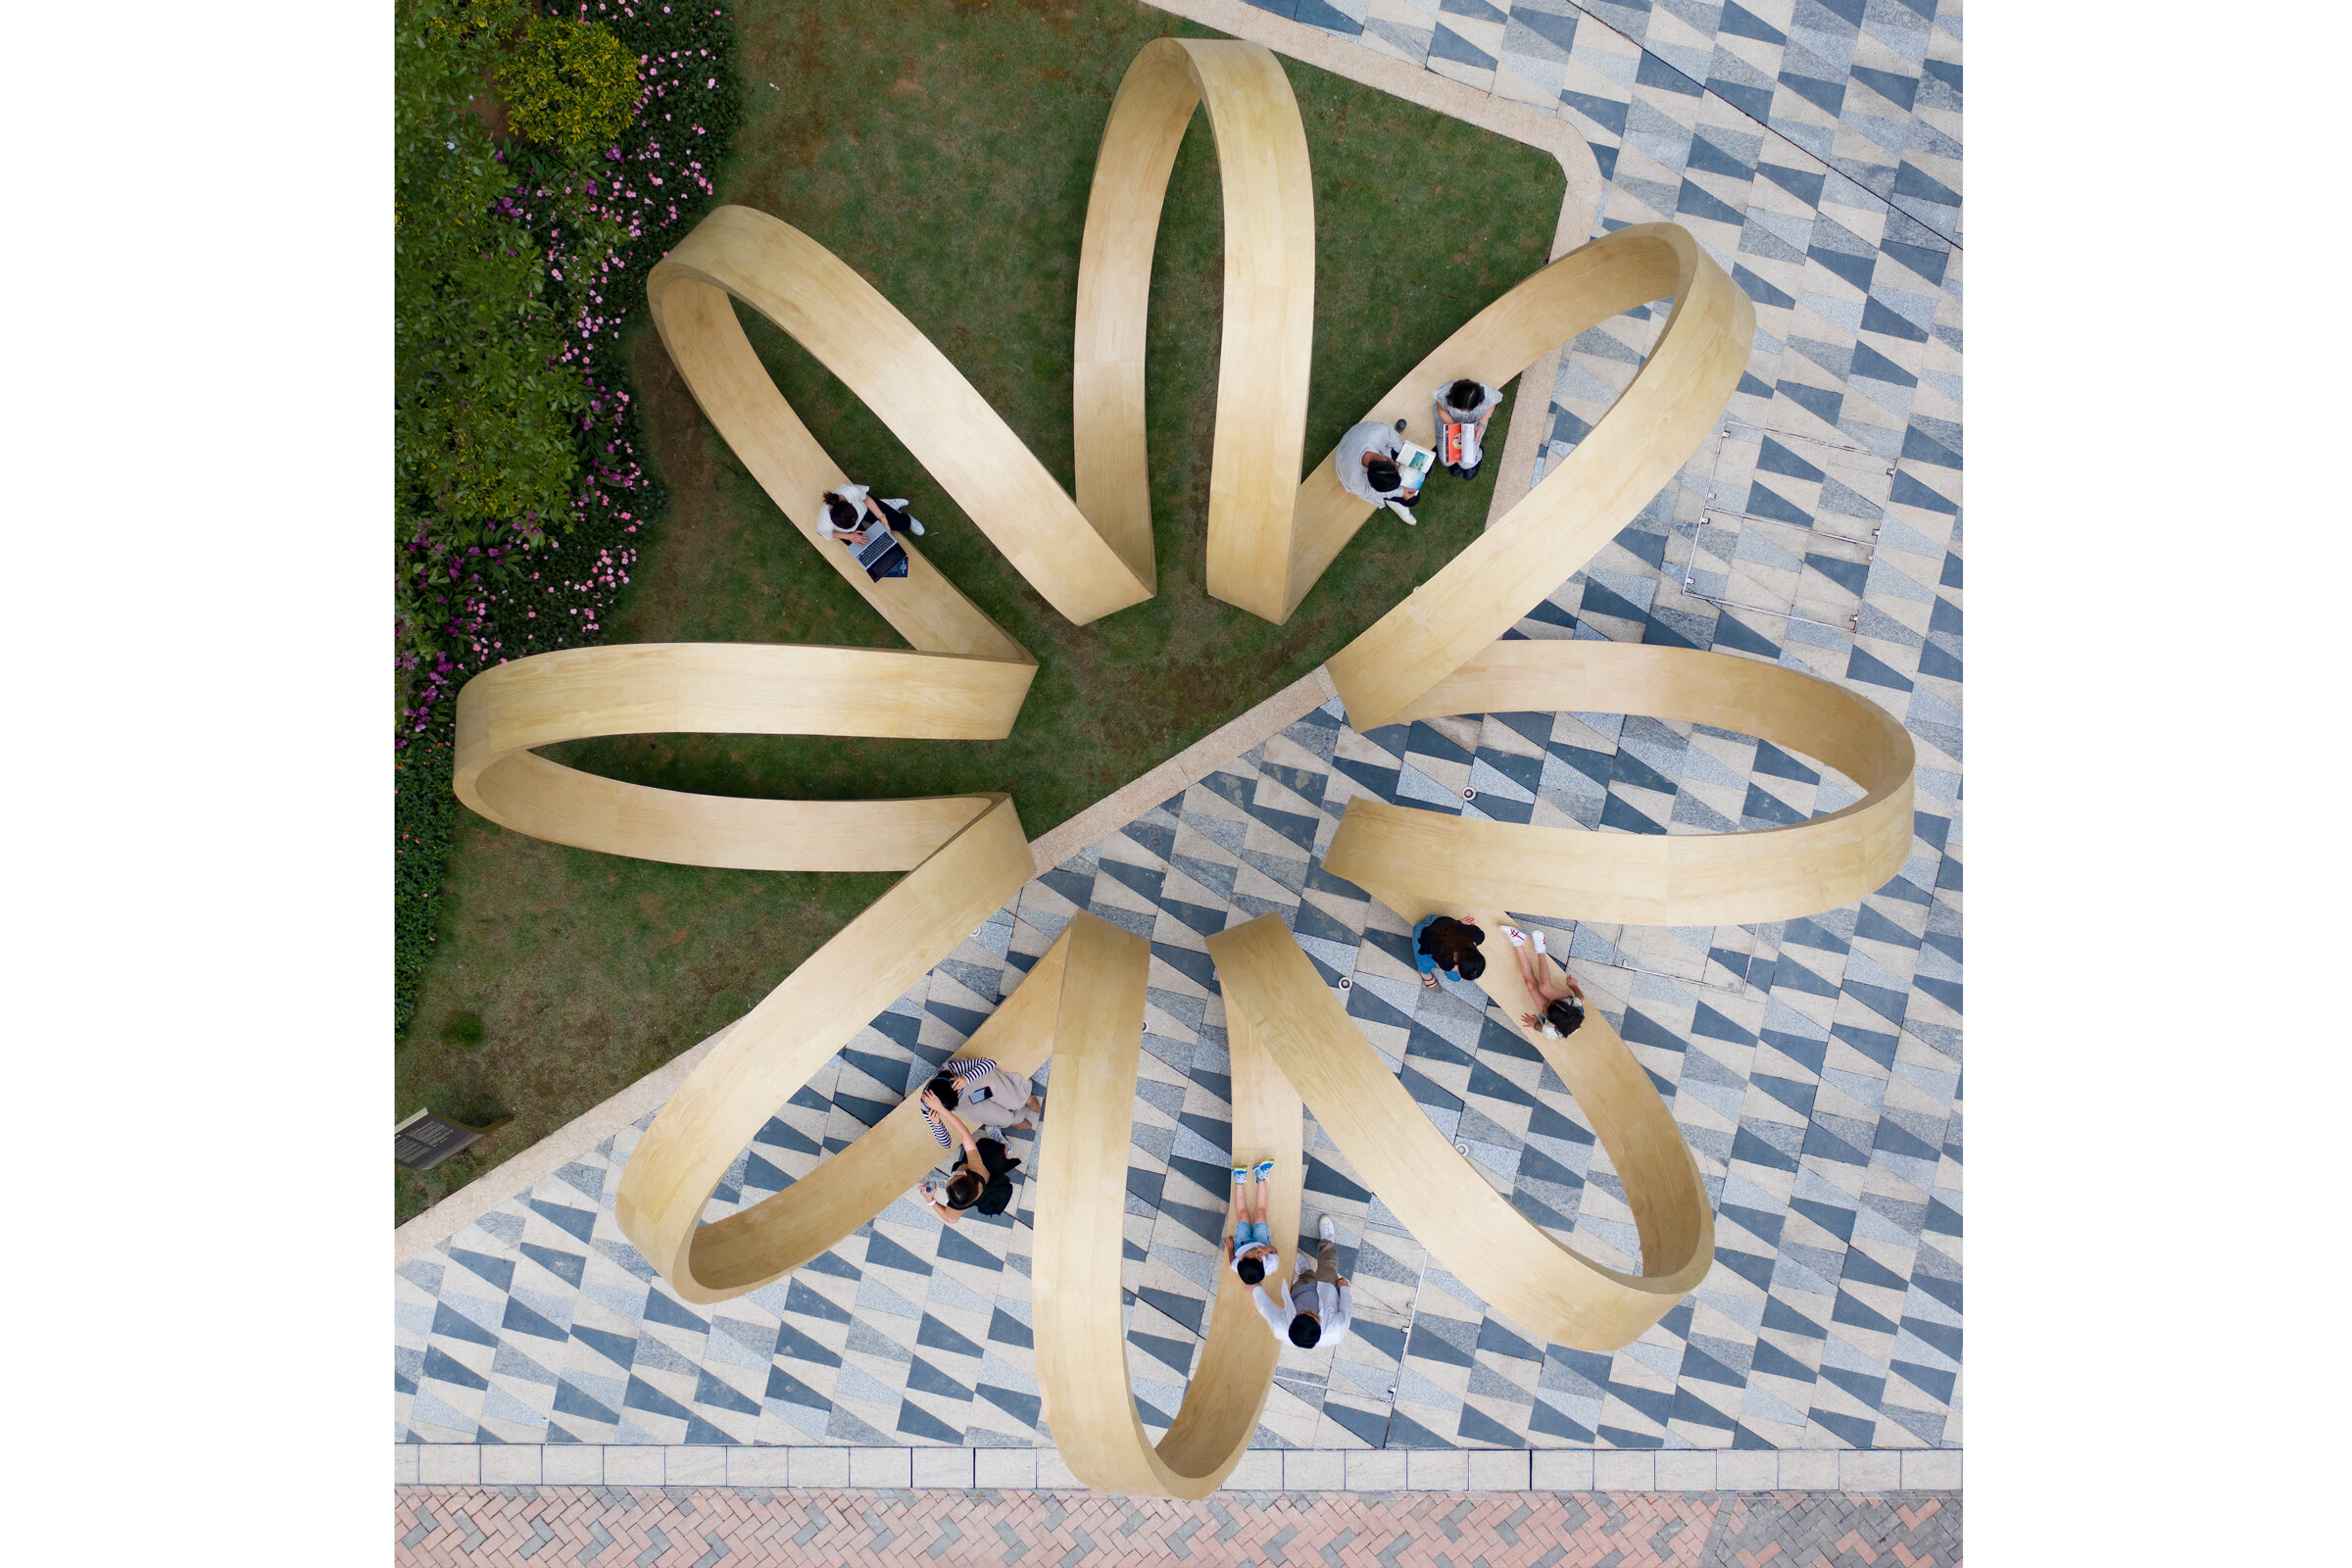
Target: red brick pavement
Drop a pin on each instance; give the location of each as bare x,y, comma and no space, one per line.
680,1526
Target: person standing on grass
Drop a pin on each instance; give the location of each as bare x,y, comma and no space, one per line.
1250,1247
1443,944
1366,462
1466,402
1316,1310
1563,1005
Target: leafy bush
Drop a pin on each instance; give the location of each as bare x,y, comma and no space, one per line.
571,85
484,408
503,552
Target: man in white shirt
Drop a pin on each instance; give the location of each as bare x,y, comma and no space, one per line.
1367,467
1317,1309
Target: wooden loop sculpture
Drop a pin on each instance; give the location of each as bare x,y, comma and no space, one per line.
1274,998
1415,861
1081,1231
1271,534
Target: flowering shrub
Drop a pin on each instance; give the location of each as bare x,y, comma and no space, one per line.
569,84
478,598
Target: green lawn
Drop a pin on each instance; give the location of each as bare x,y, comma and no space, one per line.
945,150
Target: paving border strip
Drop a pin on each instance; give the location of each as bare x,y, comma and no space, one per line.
583,1464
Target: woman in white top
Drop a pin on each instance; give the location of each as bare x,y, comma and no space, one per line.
850,512
1465,402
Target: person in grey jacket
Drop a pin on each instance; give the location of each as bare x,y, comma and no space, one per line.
1367,467
1466,402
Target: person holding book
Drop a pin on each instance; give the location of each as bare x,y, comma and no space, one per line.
853,517
1316,1308
1471,403
1368,464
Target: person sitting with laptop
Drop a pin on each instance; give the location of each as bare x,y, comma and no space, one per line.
863,526
1368,470
1470,403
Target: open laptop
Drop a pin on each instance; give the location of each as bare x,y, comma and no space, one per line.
877,552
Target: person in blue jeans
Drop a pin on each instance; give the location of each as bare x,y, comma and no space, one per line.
1441,943
1250,1247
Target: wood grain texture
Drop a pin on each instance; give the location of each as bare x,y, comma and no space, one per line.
1081,1230
1273,992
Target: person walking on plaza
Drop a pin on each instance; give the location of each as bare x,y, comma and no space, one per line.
1366,462
1250,1247
1315,1310
1443,944
1465,402
1563,1005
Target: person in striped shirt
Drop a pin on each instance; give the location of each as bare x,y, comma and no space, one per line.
983,1094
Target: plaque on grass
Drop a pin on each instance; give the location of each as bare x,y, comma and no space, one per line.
425,1139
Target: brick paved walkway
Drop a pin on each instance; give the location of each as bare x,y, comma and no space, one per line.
683,1527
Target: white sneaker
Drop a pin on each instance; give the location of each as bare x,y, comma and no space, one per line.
1538,936
914,526
1325,1229
1406,513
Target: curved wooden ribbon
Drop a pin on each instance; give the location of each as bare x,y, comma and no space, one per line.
1270,306
1081,1231
1631,454
1416,861
771,1051
1273,993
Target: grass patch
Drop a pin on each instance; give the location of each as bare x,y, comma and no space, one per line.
945,151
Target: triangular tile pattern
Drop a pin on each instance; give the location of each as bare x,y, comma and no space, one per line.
1867,88
1814,1063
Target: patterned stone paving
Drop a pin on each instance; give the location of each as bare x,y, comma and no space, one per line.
706,1527
1869,88
1815,1065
